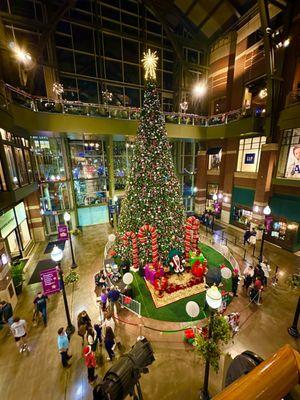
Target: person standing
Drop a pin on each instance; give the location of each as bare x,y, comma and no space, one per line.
19,331
92,338
109,342
6,313
63,347
83,322
113,297
109,322
40,303
248,277
266,270
90,362
235,282
247,235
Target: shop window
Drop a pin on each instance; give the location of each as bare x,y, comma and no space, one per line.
289,161
211,190
90,191
242,216
21,166
249,154
214,157
11,166
49,158
2,179
28,165
88,160
24,233
55,196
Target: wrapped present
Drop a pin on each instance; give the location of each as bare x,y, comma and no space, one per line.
198,269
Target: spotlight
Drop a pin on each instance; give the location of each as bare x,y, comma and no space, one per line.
199,89
263,93
286,42
120,380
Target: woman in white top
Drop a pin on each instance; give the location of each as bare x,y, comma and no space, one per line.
19,332
266,269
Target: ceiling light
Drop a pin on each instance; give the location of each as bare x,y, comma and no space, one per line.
286,42
199,89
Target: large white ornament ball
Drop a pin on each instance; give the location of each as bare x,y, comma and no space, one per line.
111,237
226,273
128,278
192,309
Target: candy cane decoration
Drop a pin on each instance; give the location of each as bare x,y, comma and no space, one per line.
135,251
191,235
154,244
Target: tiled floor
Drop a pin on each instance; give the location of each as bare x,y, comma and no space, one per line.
176,372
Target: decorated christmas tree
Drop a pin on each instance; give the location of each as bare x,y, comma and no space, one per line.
153,195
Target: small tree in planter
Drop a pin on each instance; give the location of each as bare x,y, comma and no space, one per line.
209,349
17,276
71,277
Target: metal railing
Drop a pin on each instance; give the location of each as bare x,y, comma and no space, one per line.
293,98
47,105
130,304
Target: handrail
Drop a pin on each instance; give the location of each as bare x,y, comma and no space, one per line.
271,380
60,106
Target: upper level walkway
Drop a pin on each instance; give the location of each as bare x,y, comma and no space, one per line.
43,114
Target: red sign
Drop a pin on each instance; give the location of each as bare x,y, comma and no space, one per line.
50,281
62,231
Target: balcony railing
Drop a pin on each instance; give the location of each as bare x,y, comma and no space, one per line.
42,104
293,98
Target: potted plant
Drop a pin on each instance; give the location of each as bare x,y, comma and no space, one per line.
71,277
17,276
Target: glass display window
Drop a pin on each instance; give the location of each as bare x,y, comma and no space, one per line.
49,158
55,196
3,186
289,160
11,166
249,154
242,215
24,233
21,166
88,159
28,164
90,191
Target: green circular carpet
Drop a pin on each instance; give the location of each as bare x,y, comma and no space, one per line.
176,311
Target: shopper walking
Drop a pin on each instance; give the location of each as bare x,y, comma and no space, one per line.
109,322
113,297
19,331
235,282
92,338
248,277
266,270
40,303
109,342
63,347
90,362
6,313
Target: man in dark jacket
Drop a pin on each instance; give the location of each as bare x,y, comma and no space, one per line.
6,313
40,303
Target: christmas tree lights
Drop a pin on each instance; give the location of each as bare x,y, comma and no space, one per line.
152,192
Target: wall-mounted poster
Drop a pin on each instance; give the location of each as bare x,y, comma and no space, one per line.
249,158
293,162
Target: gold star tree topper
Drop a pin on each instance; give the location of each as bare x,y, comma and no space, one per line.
150,63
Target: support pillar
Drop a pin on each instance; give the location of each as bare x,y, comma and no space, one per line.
264,179
35,220
111,176
228,167
201,182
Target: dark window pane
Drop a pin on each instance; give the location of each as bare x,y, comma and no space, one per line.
153,38
111,25
70,89
114,3
168,66
83,39
65,60
112,46
130,19
63,41
131,74
168,81
84,5
23,7
113,70
80,16
3,5
131,51
128,30
63,26
153,27
168,55
88,92
132,97
110,13
192,56
129,5
85,65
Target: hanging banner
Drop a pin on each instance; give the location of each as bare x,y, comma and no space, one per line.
62,231
50,281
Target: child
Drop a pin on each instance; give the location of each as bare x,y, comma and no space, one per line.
90,362
109,342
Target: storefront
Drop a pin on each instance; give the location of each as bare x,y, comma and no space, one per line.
213,199
242,207
15,231
242,216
